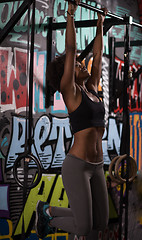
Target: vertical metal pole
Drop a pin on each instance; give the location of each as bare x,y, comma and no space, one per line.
111,74
30,117
127,125
48,59
31,80
125,140
49,40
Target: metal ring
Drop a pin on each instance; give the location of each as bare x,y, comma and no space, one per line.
39,167
112,176
133,168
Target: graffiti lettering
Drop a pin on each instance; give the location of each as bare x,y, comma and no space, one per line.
61,131
53,139
44,133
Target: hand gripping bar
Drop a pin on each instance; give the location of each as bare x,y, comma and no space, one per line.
109,14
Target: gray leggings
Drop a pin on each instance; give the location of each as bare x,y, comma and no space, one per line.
85,186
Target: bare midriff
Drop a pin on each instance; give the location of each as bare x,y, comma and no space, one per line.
88,144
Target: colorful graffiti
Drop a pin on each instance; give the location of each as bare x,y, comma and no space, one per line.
52,140
52,135
41,192
134,90
14,79
60,133
136,138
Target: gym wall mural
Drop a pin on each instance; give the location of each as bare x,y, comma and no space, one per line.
52,136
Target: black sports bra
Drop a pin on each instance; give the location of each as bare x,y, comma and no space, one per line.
88,114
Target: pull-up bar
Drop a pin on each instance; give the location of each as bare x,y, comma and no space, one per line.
109,14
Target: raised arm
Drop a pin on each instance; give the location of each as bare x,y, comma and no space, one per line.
68,80
97,54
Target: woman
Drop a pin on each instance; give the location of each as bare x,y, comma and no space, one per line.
82,170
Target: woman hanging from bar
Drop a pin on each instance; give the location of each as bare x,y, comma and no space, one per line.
82,170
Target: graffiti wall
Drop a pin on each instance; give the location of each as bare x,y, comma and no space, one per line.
51,132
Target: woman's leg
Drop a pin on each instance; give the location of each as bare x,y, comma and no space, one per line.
99,199
61,212
76,181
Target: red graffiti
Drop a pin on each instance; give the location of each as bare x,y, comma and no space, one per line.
13,80
134,90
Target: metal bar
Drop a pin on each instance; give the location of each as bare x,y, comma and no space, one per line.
78,24
109,14
23,236
87,23
31,79
27,82
87,6
55,26
126,120
132,43
111,74
125,140
82,24
49,40
121,206
49,59
137,24
15,18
